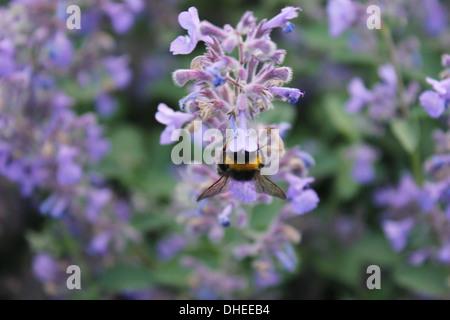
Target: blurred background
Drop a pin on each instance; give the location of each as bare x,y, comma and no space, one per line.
99,88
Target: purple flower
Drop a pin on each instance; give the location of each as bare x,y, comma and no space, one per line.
69,172
303,200
359,95
45,267
363,171
62,101
341,15
444,253
445,60
388,75
172,119
122,19
267,278
60,50
433,103
286,255
418,257
435,19
290,94
442,87
190,21
224,216
100,243
106,105
135,5
54,205
118,69
282,20
398,232
182,76
97,146
97,200
7,64
406,193
169,247
242,190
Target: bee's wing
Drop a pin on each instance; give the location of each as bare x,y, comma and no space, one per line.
220,186
265,185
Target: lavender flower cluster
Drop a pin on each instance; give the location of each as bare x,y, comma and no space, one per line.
409,207
48,149
230,93
415,216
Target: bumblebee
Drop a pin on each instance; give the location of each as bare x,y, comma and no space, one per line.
250,170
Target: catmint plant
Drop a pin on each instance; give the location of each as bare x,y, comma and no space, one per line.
233,82
49,150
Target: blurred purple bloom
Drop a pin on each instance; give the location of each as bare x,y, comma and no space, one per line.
69,172
433,103
62,101
172,119
106,105
359,95
303,200
363,170
135,5
341,15
267,278
388,75
100,243
118,69
406,193
122,19
286,256
224,216
97,200
444,253
167,248
418,257
435,18
189,21
242,190
54,205
445,60
60,50
442,87
382,100
398,232
97,146
7,63
45,267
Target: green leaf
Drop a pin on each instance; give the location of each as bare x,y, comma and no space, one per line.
429,280
171,274
406,134
263,214
124,277
151,221
345,186
344,123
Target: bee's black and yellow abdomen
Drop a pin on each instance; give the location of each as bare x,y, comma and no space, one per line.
242,175
241,171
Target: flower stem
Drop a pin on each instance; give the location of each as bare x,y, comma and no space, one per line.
414,156
387,36
417,166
